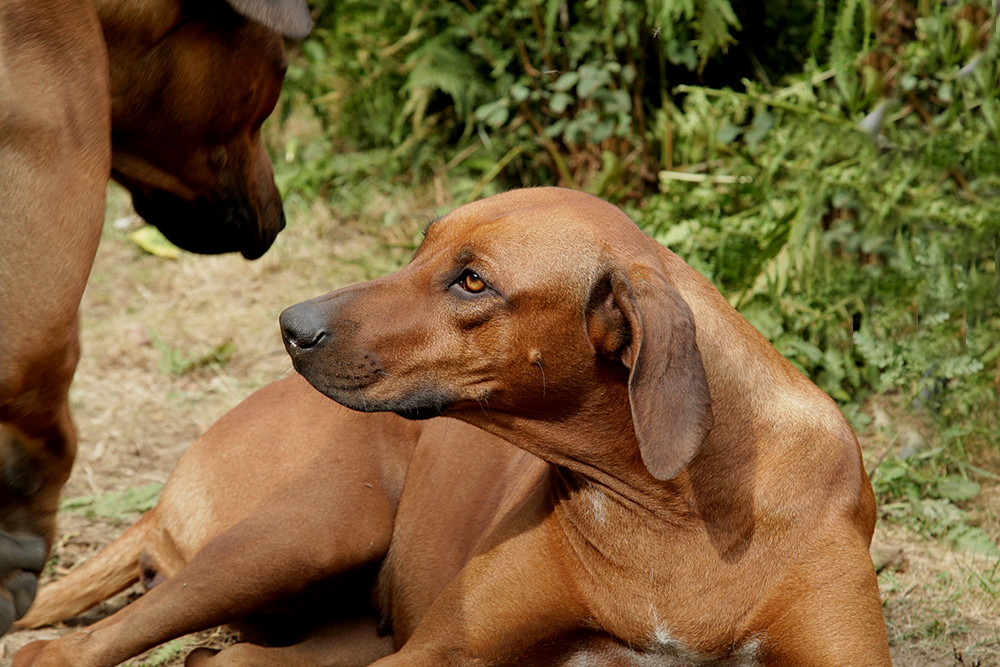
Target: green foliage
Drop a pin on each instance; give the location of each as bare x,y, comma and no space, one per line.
420,87
116,505
869,263
919,491
167,653
175,361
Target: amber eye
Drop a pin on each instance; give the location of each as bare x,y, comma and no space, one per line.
471,282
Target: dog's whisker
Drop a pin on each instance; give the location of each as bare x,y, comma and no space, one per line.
484,405
364,399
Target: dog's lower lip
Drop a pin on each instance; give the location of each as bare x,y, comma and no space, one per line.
423,412
254,251
349,395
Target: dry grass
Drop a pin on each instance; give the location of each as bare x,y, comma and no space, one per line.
942,607
140,398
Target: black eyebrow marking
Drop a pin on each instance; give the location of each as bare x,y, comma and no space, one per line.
465,255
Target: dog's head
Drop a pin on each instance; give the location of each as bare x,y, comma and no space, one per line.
544,304
191,86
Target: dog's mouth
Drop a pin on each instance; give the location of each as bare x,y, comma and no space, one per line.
204,226
321,349
425,403
420,405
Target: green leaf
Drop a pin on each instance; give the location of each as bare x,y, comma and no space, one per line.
728,133
975,540
151,240
592,78
493,114
713,24
559,102
960,367
565,82
519,93
313,49
116,504
761,125
957,488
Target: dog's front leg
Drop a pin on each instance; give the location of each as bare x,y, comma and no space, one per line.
515,604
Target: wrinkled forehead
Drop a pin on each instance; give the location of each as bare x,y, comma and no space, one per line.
541,208
531,231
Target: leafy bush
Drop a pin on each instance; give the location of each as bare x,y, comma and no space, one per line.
859,245
525,91
920,492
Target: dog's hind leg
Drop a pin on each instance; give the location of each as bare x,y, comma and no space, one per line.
259,562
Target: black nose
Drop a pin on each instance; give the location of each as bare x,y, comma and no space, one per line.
302,328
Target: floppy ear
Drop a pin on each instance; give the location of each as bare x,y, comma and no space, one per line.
646,324
287,17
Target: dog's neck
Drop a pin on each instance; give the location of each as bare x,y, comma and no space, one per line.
596,449
132,30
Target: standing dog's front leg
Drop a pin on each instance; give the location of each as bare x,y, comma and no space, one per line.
55,159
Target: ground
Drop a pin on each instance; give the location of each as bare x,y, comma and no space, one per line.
171,344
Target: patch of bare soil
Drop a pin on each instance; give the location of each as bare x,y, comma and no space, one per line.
171,345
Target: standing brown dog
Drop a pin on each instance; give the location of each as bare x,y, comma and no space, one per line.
679,494
175,117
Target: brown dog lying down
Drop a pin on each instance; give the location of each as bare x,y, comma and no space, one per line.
677,492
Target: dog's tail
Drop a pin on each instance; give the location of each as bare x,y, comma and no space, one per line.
112,570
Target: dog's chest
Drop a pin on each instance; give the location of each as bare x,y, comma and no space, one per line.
660,606
663,651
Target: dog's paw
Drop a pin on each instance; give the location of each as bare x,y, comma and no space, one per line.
200,657
21,559
26,657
